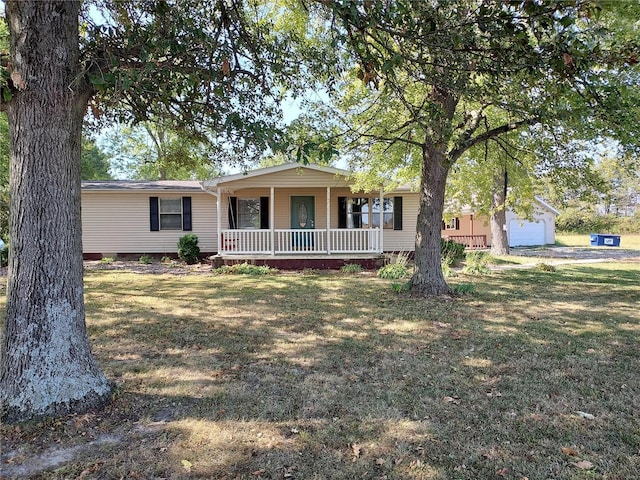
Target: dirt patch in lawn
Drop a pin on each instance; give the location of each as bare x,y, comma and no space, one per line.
172,267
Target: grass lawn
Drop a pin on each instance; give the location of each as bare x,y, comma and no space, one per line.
627,240
334,376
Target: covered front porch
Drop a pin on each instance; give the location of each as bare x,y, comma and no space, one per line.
308,212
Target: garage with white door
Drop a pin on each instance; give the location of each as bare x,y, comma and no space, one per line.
526,233
538,229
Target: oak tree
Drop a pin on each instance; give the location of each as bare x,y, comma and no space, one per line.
428,81
205,67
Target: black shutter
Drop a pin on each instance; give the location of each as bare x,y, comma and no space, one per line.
444,226
154,214
186,214
342,212
457,223
397,213
357,219
233,212
264,212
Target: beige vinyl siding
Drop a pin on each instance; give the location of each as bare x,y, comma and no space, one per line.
118,222
295,178
403,240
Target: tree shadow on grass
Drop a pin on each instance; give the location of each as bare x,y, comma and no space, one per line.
314,377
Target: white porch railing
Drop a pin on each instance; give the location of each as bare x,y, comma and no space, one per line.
295,241
355,240
245,241
249,242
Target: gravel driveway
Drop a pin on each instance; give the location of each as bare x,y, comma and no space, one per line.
579,253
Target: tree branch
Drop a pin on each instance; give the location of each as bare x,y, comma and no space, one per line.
488,135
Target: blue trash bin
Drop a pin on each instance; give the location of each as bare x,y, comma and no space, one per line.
604,240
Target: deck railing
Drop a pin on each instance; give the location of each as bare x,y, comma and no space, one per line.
290,241
469,241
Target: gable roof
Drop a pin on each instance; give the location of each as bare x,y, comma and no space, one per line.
546,205
467,209
274,169
341,177
135,185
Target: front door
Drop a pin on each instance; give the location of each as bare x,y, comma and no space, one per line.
303,217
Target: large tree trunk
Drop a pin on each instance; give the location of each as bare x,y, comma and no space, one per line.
428,279
46,366
498,220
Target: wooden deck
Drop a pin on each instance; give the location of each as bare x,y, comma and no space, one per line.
469,241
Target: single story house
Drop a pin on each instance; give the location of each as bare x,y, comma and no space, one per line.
286,215
474,231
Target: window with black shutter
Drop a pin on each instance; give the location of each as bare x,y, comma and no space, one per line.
366,212
170,213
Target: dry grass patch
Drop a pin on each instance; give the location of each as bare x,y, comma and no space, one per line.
627,240
337,377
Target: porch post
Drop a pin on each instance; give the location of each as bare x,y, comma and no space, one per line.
219,219
329,220
272,220
381,246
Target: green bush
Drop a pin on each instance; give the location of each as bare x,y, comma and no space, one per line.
463,289
394,271
544,267
4,256
146,259
451,252
398,268
107,260
627,224
476,270
244,269
478,257
351,268
447,271
401,287
584,221
188,249
476,263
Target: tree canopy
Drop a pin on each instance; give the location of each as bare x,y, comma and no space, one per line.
204,69
147,151
426,82
208,70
